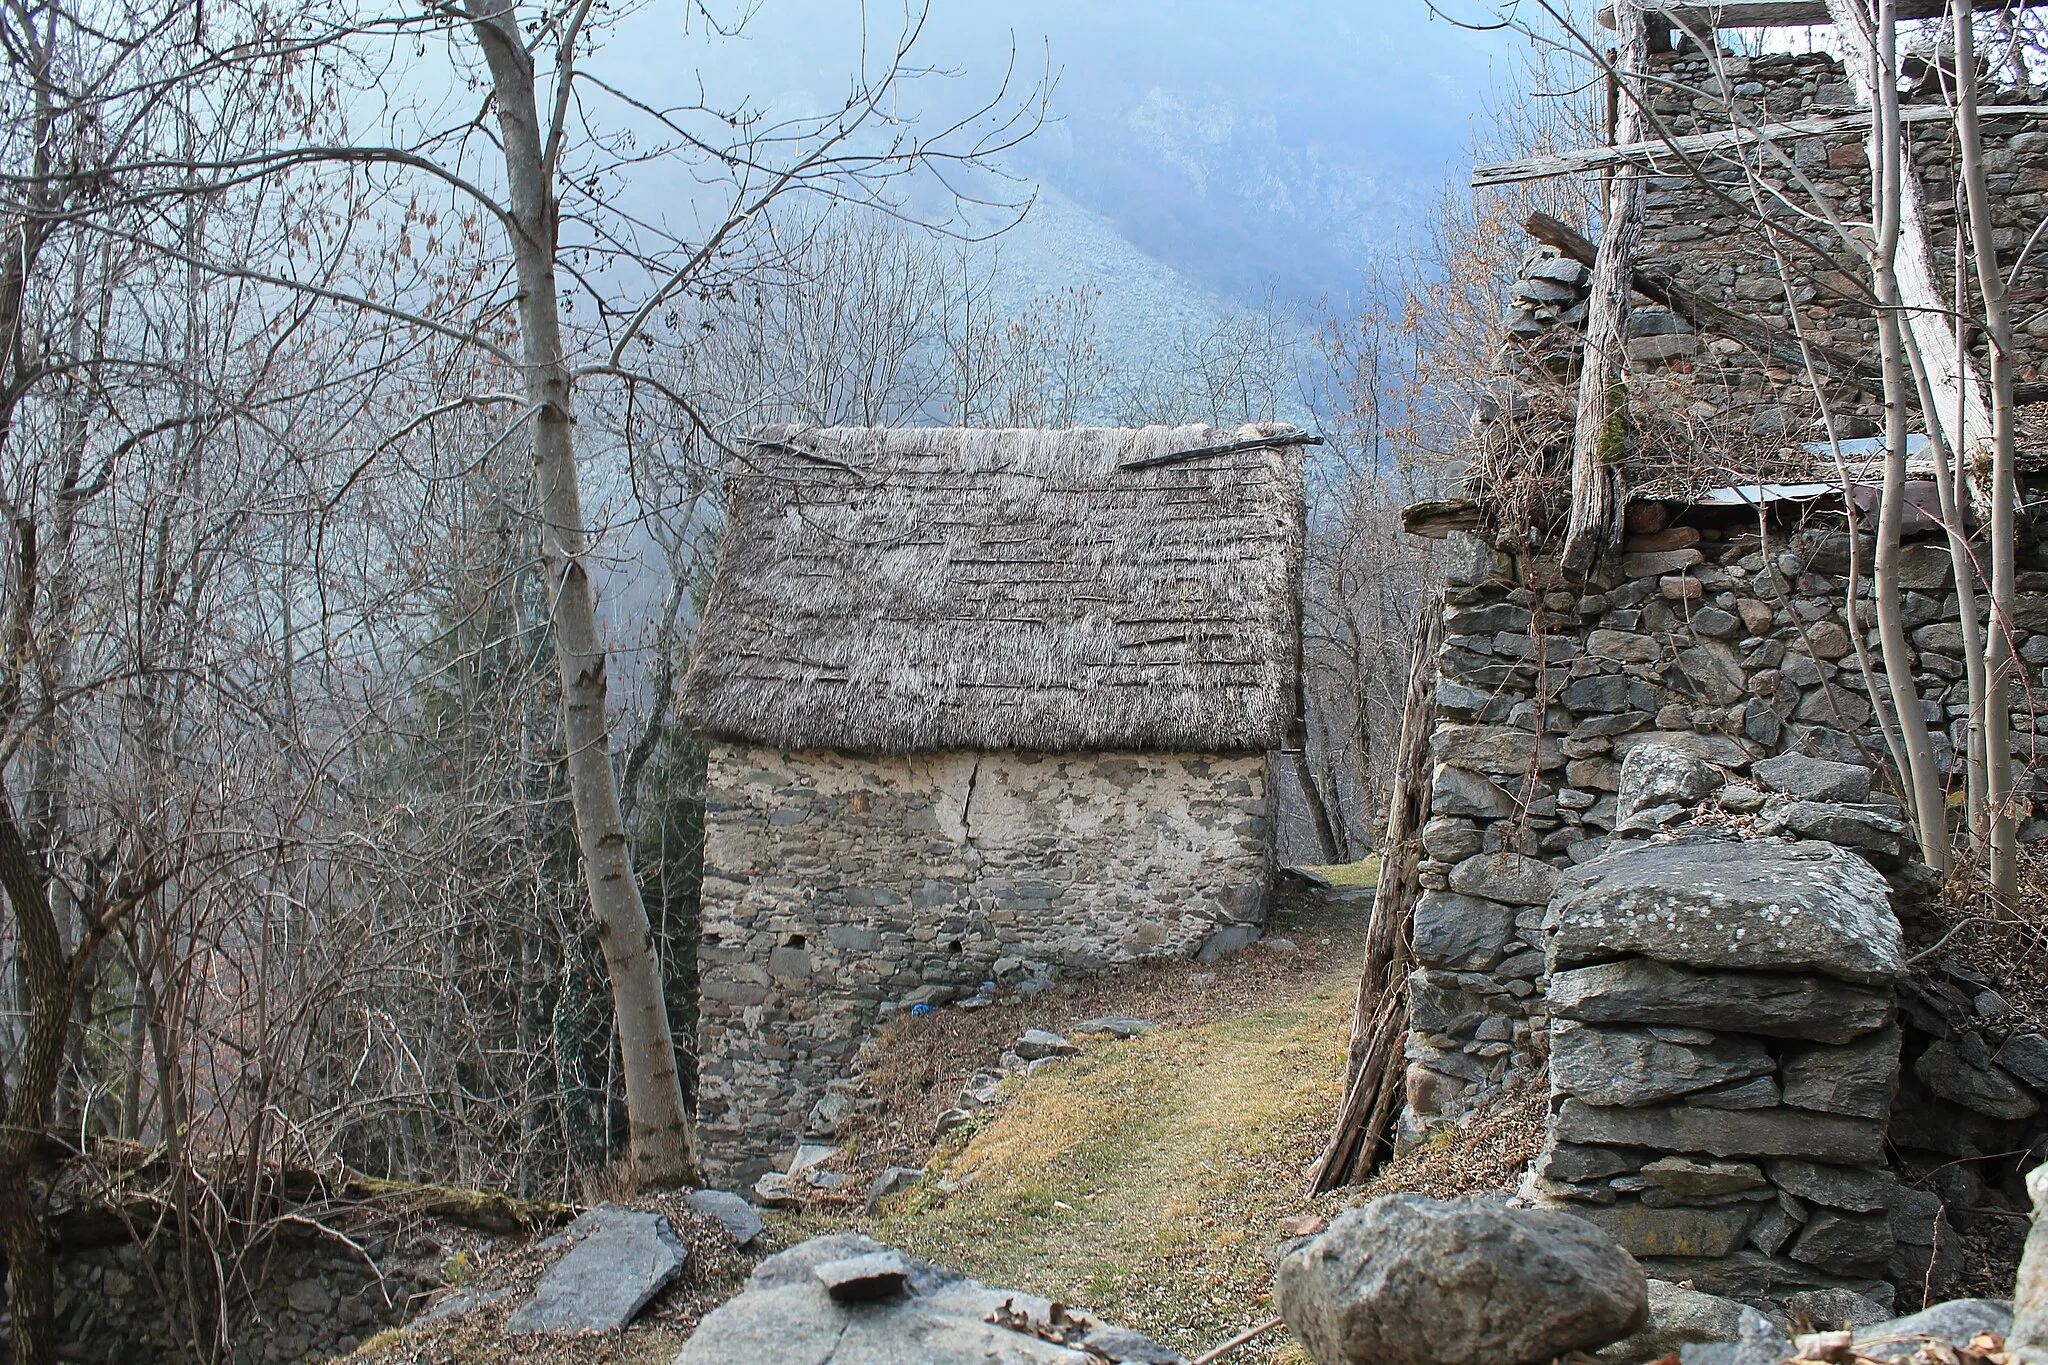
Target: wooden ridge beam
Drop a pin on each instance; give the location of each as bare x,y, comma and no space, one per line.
1701,15
1584,159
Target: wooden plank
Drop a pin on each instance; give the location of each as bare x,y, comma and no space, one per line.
1701,16
1583,159
1375,1066
1599,426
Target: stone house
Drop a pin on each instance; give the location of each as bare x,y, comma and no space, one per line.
981,706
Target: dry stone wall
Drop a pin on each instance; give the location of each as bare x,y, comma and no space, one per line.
1726,1096
838,889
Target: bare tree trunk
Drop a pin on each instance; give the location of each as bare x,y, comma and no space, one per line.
1887,160
663,1147
1998,653
1600,428
31,1292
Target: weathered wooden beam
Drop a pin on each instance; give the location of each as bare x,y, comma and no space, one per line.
1709,316
1584,159
1600,423
1701,15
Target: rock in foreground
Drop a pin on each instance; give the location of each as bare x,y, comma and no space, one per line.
1406,1280
848,1300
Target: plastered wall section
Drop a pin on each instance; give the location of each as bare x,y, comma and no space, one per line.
834,884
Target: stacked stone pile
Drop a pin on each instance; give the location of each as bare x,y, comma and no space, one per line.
1723,1060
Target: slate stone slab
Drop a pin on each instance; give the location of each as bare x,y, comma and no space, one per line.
735,1214
1838,1240
1727,1132
1813,779
1954,1323
1710,903
1462,933
622,1259
1858,1078
1695,1179
1678,1231
1990,1092
865,1278
1406,1280
787,1316
1637,991
1116,1026
1757,1342
1678,1317
1858,1190
2025,1055
1658,774
1508,877
1634,1067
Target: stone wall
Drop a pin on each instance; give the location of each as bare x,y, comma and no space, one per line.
1705,686
298,1298
840,888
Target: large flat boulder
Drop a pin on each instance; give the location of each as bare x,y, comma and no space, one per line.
1636,990
621,1258
1753,905
1837,1138
848,1300
1406,1280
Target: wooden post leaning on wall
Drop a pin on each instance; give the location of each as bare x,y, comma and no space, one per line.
1373,1089
1599,431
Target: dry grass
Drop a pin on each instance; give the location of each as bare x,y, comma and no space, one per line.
1358,876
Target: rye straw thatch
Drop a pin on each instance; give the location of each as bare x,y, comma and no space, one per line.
918,589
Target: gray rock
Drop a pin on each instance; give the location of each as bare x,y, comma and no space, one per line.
1636,990
1837,1240
1813,779
1228,939
1804,907
621,1259
1759,1092
1857,827
1411,1281
2025,1055
1834,1310
1116,1026
1456,791
1035,1043
1569,1163
894,1180
1508,877
1842,1187
1657,774
865,1278
1656,563
1685,1176
787,1316
1942,1069
1463,933
1678,1317
1758,1341
735,1214
1954,1323
2030,1288
1633,1067
1678,1230
1855,1078
1726,1132
1502,750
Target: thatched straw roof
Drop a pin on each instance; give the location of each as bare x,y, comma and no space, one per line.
918,589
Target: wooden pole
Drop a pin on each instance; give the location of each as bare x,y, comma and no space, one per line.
1600,429
1379,1023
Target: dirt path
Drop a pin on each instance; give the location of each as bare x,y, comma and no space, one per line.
1144,1179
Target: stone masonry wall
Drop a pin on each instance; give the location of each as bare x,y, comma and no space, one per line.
839,888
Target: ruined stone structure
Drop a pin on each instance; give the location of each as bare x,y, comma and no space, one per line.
983,706
1663,865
